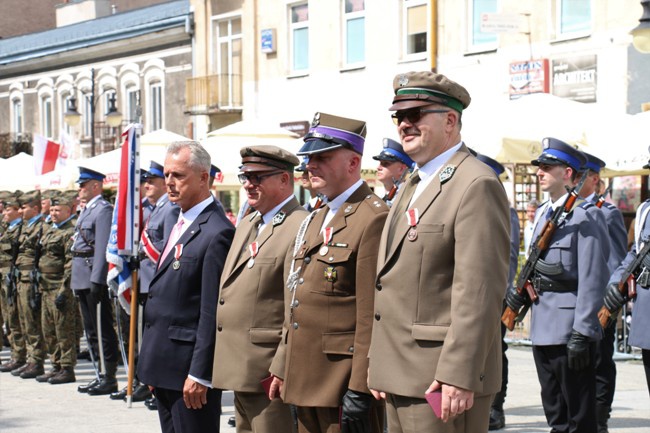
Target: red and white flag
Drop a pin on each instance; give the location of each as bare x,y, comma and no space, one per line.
46,152
67,148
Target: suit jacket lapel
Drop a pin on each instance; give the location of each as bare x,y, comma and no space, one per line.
423,202
192,231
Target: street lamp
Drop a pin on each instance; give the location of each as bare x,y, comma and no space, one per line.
641,33
72,116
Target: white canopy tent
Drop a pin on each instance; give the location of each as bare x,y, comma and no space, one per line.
225,143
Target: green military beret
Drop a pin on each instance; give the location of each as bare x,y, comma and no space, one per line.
13,199
30,197
65,198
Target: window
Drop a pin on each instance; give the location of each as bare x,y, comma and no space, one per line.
477,38
46,116
573,17
17,116
155,106
132,98
414,25
229,62
355,32
299,35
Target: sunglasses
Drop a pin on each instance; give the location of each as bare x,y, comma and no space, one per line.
413,115
255,179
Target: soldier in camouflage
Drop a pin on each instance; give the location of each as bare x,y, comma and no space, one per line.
12,217
28,308
58,303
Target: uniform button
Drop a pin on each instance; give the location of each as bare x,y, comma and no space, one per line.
307,259
378,286
295,303
331,259
150,296
219,328
377,316
221,301
351,349
482,377
301,280
295,325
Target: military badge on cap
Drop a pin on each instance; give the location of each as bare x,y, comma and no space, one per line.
403,80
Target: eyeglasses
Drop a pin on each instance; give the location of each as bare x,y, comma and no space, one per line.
413,115
255,179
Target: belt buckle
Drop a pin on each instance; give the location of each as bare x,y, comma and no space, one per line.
537,283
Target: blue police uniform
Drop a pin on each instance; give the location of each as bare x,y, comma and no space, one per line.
564,326
605,365
639,336
497,416
394,152
89,269
156,231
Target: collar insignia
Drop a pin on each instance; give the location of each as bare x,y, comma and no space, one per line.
447,173
278,218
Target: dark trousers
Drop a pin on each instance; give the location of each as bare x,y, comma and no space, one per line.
645,353
88,307
175,417
606,368
500,397
568,396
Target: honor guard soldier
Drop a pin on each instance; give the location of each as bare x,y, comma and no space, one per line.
497,415
8,254
88,280
3,227
442,271
46,197
569,280
250,311
605,365
58,302
29,297
394,166
322,365
614,300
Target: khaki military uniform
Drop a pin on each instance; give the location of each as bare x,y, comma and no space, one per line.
325,350
30,320
16,338
55,267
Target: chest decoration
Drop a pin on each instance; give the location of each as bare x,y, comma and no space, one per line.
253,248
327,240
412,218
446,173
178,251
330,274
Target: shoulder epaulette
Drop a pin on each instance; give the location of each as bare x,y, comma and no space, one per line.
375,203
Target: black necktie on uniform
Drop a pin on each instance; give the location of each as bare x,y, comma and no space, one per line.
401,206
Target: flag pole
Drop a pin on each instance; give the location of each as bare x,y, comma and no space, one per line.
133,318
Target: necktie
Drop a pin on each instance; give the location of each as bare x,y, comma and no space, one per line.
173,238
401,206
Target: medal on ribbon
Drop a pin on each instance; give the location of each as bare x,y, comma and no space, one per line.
327,238
254,248
178,251
412,217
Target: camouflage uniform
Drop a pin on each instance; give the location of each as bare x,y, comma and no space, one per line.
30,320
16,338
55,267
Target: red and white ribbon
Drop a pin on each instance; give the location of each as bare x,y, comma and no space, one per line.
412,217
327,235
254,248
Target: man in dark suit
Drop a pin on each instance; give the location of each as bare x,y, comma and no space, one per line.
178,342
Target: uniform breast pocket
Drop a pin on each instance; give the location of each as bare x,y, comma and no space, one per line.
87,233
560,251
337,275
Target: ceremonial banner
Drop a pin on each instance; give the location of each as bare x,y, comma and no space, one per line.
46,152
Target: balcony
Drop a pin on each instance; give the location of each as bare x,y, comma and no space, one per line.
213,94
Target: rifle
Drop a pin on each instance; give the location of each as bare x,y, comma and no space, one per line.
396,183
11,279
601,198
34,274
524,286
626,285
